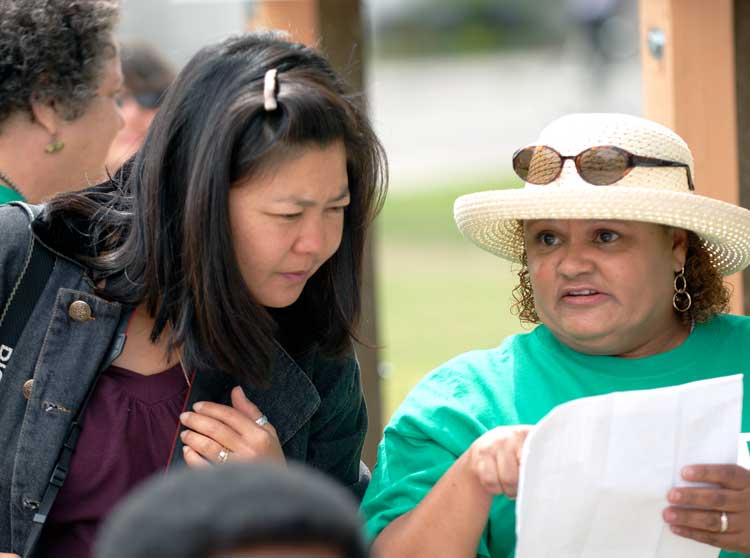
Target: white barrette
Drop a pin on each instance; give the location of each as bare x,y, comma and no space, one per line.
269,90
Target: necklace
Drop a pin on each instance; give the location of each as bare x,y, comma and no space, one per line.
8,182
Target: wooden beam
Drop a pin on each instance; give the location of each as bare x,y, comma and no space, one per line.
342,40
742,73
299,18
692,89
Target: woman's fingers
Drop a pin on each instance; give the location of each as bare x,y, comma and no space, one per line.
241,403
192,458
211,427
701,519
719,516
242,417
733,477
707,498
204,446
509,462
507,470
487,473
496,458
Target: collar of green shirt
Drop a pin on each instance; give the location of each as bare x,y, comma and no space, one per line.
8,194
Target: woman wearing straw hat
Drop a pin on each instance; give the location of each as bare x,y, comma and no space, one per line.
621,265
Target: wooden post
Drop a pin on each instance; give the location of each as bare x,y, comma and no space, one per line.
692,89
342,40
742,73
299,18
336,27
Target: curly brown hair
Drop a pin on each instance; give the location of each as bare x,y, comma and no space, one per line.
53,51
709,292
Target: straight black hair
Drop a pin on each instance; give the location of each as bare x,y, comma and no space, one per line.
159,232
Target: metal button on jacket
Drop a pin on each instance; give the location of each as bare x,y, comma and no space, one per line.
27,386
80,311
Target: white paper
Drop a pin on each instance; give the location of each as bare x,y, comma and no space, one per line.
595,472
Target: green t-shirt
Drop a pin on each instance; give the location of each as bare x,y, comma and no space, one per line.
519,383
8,194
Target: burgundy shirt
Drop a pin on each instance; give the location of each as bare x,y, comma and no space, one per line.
128,432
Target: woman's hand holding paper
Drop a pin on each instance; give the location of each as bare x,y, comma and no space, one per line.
719,515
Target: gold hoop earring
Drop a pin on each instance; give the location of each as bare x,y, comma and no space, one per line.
681,300
54,146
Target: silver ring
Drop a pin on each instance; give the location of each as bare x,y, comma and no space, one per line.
223,455
724,523
262,421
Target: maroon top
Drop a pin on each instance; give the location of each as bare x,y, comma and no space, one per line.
127,435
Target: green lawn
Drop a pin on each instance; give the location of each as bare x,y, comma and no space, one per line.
438,295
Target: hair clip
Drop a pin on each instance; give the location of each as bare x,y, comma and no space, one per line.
269,90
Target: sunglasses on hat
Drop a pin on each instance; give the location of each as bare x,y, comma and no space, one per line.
600,166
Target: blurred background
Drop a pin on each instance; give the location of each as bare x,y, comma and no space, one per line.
454,88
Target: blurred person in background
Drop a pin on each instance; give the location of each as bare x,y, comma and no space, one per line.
59,80
146,75
241,510
203,302
606,37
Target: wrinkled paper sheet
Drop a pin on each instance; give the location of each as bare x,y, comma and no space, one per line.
595,471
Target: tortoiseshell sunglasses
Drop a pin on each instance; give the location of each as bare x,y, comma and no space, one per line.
600,166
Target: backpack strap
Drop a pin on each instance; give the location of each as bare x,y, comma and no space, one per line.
60,471
20,301
62,466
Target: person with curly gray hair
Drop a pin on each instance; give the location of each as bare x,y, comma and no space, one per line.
59,79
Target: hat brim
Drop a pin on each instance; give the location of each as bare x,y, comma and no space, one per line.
490,219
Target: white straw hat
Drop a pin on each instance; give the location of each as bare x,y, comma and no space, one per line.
649,194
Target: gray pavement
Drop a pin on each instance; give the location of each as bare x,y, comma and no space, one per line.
451,118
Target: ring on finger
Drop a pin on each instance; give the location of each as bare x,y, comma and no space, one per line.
223,455
262,421
724,520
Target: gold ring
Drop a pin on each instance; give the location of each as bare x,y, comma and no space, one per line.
724,523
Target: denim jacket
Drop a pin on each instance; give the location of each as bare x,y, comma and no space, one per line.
314,402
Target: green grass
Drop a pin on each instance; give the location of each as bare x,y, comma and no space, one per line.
438,294
421,215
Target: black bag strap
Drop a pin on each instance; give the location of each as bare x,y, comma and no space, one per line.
20,301
59,473
62,466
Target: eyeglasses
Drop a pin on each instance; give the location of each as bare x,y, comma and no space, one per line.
600,166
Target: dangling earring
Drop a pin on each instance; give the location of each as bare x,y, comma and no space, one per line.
54,146
681,300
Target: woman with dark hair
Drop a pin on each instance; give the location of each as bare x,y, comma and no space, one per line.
59,80
621,269
214,280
